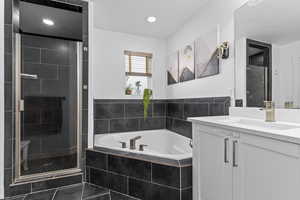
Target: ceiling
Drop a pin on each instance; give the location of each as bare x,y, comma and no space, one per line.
129,16
276,22
67,24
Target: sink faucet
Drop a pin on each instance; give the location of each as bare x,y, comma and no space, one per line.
133,141
270,111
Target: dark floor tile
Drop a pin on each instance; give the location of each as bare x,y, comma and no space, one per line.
96,159
175,110
124,125
55,183
150,191
103,197
46,195
90,191
130,167
109,111
186,176
152,123
109,180
166,175
69,193
187,194
119,196
195,110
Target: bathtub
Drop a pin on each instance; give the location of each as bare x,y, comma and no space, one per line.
160,143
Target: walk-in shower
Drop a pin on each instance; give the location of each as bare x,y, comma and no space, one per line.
48,90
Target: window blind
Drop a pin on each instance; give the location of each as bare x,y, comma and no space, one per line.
138,63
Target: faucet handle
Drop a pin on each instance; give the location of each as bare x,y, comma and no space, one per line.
123,144
142,147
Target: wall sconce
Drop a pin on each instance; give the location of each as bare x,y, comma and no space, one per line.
224,50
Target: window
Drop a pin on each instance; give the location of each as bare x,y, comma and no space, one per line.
138,72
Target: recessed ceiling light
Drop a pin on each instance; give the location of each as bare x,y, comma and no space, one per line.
254,2
48,22
151,19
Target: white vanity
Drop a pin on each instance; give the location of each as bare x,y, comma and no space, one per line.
241,157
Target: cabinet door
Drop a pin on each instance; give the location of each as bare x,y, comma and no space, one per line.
266,169
212,165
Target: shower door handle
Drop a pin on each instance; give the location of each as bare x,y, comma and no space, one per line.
29,76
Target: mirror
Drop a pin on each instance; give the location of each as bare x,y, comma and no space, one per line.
267,53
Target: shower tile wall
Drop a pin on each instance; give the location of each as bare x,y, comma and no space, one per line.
113,116
9,143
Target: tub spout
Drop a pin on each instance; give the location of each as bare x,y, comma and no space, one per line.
133,142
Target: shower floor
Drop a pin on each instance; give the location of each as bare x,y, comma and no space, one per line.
50,164
84,191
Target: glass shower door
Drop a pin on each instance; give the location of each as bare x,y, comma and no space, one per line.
48,100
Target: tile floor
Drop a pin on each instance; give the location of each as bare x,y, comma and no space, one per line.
83,191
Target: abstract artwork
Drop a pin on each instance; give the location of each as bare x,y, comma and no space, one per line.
173,68
186,63
206,55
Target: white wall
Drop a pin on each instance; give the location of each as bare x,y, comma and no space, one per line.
109,65
213,13
286,70
1,99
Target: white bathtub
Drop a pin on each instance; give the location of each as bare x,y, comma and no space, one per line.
161,143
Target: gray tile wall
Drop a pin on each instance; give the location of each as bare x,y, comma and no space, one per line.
9,143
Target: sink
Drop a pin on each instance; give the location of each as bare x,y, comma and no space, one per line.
260,124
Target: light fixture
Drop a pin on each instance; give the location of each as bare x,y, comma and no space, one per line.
48,22
151,19
253,3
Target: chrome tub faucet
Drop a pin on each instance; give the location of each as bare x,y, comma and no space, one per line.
133,142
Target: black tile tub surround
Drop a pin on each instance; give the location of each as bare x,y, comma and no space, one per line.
124,115
178,110
142,178
9,143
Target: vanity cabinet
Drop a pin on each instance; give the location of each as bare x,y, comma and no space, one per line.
230,165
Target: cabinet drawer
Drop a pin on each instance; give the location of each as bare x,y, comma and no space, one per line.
211,130
278,146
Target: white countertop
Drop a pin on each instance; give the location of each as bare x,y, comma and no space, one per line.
232,123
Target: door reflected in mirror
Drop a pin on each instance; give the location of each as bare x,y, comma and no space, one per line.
267,51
